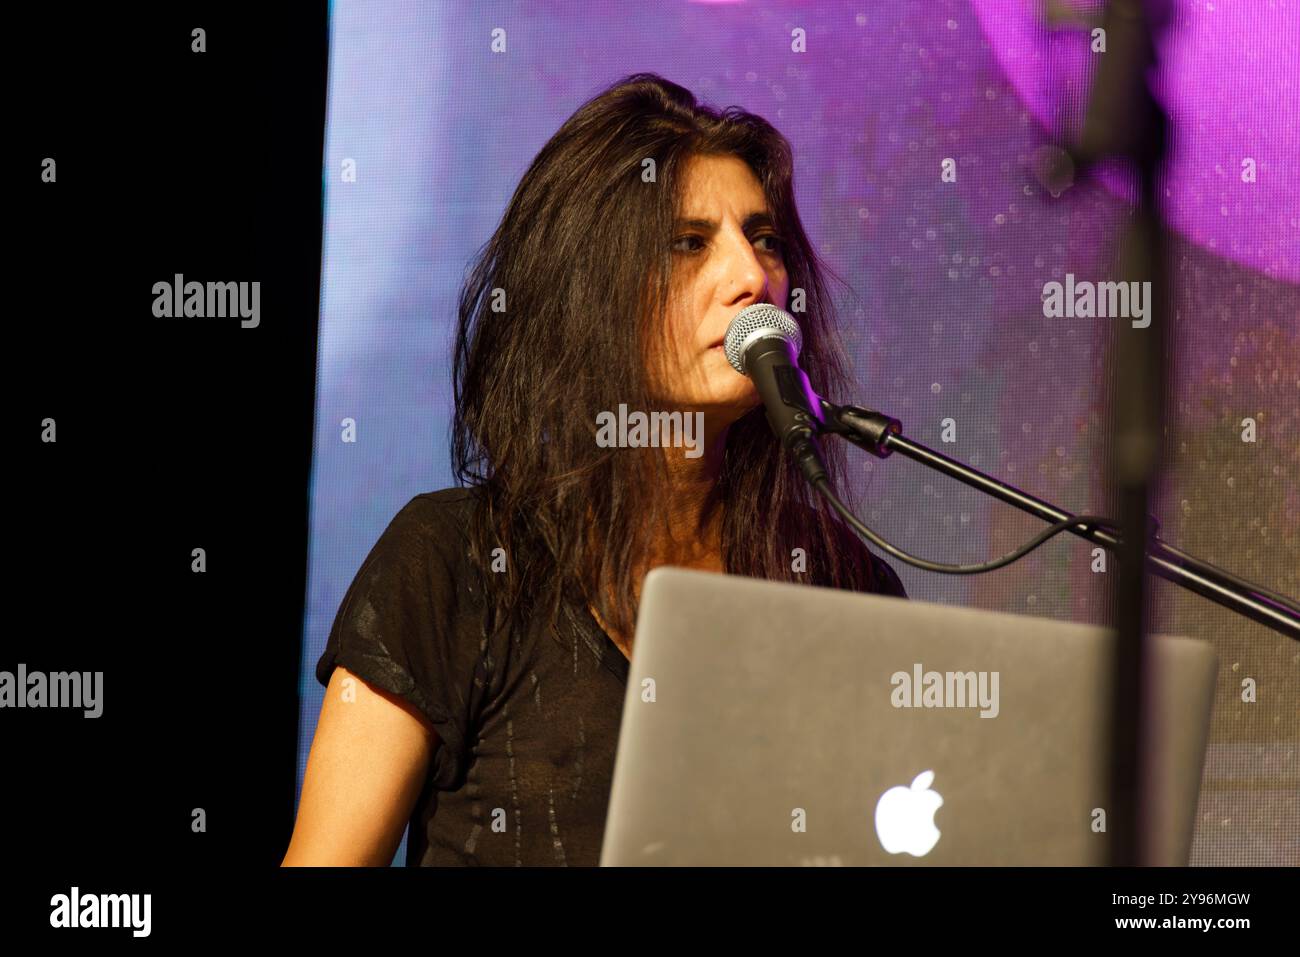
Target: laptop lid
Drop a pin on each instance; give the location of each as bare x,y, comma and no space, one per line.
778,724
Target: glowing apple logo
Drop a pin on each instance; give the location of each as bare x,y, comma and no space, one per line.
905,817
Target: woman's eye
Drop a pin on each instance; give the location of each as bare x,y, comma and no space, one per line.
776,243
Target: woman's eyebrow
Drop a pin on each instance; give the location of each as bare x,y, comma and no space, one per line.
752,221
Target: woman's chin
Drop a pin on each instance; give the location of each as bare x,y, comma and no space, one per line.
729,398
735,403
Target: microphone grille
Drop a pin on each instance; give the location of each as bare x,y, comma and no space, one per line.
758,322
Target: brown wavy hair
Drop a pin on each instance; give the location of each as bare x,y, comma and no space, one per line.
584,244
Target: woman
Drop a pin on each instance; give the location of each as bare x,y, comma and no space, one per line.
477,667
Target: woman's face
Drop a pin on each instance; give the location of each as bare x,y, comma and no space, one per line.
726,256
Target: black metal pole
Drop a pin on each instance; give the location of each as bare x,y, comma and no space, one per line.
881,435
1124,120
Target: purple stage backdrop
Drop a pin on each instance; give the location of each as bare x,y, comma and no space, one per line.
945,319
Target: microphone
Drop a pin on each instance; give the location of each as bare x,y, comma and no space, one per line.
763,343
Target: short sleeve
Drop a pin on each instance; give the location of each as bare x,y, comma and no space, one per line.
397,627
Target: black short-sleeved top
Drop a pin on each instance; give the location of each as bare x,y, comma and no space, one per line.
527,724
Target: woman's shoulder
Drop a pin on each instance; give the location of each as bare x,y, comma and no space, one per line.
432,522
457,500
887,580
447,506
884,580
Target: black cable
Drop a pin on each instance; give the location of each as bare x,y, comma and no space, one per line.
1090,521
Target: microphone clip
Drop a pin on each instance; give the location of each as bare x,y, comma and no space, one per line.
865,428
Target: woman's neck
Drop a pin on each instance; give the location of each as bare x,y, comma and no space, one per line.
694,532
692,537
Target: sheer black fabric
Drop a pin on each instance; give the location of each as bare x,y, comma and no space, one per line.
527,725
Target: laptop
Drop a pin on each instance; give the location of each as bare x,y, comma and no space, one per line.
775,724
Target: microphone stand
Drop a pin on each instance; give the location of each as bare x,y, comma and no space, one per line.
1123,119
881,435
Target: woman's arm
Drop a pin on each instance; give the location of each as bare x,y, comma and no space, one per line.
366,767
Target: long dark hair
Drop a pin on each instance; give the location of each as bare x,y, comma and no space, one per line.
582,259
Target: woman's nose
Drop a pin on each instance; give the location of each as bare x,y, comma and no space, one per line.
745,274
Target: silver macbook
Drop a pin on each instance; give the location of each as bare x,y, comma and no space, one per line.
778,724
